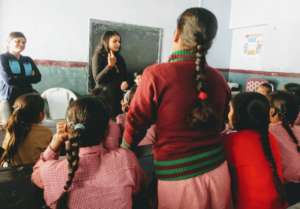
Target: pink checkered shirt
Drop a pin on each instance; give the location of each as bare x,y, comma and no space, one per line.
104,180
289,156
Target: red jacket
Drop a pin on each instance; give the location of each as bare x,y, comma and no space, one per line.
166,94
252,175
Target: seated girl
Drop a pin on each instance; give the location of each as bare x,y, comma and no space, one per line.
253,155
25,137
283,113
91,176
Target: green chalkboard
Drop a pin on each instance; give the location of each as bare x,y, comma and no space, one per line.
73,78
141,45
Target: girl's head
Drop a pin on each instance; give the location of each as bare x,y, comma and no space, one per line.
128,96
137,77
107,96
16,43
110,41
28,109
293,88
196,29
90,112
87,123
264,89
285,108
249,110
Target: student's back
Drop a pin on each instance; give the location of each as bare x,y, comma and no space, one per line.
91,176
253,155
284,111
104,179
36,142
251,171
25,138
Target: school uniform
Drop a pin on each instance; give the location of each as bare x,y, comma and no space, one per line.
290,157
34,144
104,179
252,175
183,158
113,137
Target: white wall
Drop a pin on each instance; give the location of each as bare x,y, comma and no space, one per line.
278,22
219,54
59,29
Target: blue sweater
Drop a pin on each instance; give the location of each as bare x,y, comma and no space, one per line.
16,76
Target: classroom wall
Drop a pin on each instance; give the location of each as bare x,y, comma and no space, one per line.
59,30
219,54
276,23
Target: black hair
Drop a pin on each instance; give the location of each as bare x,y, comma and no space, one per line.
87,121
128,96
287,108
197,28
26,112
106,95
251,111
103,45
293,88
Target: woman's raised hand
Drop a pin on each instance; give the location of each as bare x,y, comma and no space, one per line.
111,60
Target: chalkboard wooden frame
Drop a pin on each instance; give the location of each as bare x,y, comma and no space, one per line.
141,45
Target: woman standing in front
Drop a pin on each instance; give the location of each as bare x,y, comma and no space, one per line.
187,100
109,67
17,73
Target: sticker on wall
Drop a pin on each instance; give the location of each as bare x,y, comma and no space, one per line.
253,44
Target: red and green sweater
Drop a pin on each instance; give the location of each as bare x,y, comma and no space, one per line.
164,97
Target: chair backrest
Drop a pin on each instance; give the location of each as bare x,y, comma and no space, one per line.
58,100
253,83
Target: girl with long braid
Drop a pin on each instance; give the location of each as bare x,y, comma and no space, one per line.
91,176
283,113
253,155
186,100
25,136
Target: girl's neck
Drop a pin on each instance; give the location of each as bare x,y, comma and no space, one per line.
17,55
182,55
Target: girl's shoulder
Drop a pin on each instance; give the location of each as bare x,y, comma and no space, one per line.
123,157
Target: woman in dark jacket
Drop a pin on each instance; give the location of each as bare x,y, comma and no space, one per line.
109,68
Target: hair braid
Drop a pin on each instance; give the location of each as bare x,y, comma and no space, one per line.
286,125
268,153
202,116
18,129
72,151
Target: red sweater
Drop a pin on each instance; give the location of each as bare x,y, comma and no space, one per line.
164,97
252,176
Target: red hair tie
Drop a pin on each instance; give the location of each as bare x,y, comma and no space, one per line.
202,95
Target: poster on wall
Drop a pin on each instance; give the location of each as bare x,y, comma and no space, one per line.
253,44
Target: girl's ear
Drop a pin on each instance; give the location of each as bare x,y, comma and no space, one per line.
274,116
273,112
176,36
41,116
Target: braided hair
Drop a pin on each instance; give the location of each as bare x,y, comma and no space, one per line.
26,112
197,28
286,106
251,111
87,120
